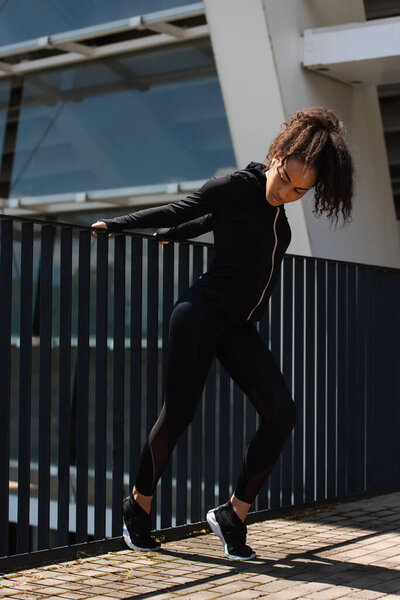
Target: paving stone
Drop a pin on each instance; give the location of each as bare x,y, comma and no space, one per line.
331,593
299,591
277,585
73,596
241,595
47,591
226,588
25,596
366,595
199,594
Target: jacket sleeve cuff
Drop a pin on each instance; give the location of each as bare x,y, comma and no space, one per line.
165,233
112,226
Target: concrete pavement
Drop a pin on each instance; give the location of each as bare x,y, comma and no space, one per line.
347,550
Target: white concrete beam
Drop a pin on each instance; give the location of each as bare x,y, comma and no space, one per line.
75,47
355,53
177,32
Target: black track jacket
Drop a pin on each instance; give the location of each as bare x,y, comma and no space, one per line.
250,239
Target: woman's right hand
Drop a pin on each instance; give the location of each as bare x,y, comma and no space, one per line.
99,225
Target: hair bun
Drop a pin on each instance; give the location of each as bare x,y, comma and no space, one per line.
324,123
324,118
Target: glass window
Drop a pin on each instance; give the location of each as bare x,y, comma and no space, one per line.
138,119
22,20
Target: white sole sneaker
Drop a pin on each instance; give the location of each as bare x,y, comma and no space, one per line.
130,544
212,521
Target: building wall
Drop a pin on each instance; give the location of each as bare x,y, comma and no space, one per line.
272,84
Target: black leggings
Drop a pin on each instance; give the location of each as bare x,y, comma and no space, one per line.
196,335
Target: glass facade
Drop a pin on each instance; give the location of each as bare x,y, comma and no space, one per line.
136,119
22,20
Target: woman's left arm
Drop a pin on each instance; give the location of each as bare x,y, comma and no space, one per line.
190,229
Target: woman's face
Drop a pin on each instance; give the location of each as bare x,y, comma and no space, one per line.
288,181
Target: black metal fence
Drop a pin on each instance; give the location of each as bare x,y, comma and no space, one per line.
83,338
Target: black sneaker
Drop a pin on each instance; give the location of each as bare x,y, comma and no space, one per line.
227,525
137,526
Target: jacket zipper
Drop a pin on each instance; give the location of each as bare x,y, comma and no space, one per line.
272,264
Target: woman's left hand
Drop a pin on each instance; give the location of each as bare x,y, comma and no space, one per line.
162,242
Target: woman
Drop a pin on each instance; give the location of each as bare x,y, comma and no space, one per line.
215,317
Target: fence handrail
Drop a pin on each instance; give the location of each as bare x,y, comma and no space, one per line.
63,224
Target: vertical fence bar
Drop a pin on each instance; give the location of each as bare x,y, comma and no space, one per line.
101,387
275,477
209,426
262,498
360,356
331,380
237,433
385,401
196,429
379,427
287,349
370,379
352,400
6,250
388,387
298,384
342,382
224,435
25,392
310,381
135,412
250,429
82,387
182,446
168,301
46,264
321,381
394,390
118,384
152,342
64,393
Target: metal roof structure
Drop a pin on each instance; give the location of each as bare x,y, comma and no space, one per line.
116,37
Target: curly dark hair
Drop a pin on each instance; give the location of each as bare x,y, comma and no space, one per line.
315,135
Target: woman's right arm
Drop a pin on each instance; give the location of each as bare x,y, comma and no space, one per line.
206,200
